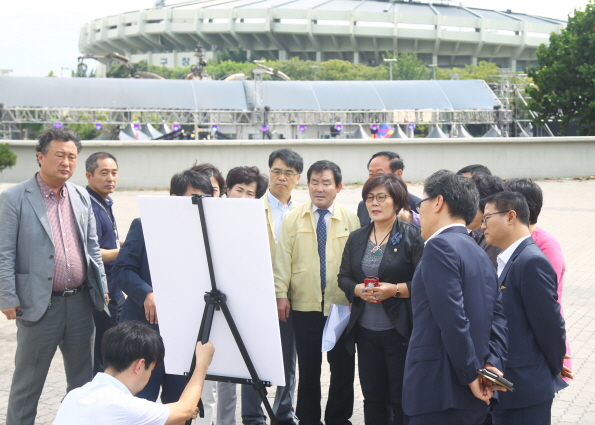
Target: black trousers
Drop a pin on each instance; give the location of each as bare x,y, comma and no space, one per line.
309,326
381,364
103,322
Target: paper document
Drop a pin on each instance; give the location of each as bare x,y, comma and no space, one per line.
336,322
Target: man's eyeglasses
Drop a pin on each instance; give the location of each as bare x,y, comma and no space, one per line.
289,174
380,197
484,218
418,204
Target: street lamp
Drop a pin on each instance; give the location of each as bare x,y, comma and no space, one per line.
433,66
390,62
315,68
62,68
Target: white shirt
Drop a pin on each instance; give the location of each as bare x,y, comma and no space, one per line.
506,254
105,400
327,216
279,210
442,229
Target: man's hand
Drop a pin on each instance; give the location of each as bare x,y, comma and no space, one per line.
566,373
204,353
11,313
150,308
480,391
106,296
487,383
283,308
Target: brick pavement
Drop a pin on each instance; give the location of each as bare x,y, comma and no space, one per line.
568,213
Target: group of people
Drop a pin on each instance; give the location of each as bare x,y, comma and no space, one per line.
439,288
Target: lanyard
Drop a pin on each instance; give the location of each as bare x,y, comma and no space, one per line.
110,220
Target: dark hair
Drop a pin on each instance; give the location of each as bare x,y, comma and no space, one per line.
532,193
390,156
396,164
130,341
459,193
475,168
395,186
210,170
247,175
504,201
323,165
91,162
487,185
60,135
180,182
290,158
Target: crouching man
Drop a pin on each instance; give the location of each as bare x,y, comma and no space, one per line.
131,350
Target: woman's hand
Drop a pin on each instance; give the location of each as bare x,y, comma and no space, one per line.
380,293
364,293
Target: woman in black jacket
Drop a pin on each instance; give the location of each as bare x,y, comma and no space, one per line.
381,320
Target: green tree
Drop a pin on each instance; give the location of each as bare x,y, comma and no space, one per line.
335,69
564,88
481,71
221,70
51,74
7,157
407,67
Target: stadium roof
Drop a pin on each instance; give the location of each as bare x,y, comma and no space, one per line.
101,93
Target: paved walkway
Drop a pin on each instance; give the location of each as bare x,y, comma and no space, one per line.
568,213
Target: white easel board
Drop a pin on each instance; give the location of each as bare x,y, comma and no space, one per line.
243,271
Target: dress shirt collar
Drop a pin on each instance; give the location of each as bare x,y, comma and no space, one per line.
107,203
330,209
277,203
442,229
108,380
505,255
47,191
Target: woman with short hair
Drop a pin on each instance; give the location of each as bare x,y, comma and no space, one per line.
385,251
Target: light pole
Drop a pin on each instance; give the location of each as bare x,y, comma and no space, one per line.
433,66
315,68
390,62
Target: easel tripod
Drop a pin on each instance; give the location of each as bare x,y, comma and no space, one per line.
216,300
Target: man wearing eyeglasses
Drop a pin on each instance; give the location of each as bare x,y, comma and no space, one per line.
536,346
458,325
285,167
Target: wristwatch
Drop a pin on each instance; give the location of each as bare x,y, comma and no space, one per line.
398,294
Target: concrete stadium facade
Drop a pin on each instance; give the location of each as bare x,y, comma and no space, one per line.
359,31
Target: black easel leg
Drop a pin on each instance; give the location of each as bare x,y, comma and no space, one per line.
256,382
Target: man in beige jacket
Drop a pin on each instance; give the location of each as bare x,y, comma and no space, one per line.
307,261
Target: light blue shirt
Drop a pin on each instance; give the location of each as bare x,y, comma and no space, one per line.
279,210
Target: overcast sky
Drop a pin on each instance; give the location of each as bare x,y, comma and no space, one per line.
42,35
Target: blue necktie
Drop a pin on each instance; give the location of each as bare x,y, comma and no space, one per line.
321,236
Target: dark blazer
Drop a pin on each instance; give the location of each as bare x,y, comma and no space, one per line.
364,217
536,332
458,324
131,272
395,267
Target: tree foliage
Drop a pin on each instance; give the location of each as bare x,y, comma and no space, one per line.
565,77
481,71
7,157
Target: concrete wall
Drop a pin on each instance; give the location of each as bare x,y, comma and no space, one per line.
150,164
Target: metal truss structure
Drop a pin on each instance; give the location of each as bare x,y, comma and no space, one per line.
12,118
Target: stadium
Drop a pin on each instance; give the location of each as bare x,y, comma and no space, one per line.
443,34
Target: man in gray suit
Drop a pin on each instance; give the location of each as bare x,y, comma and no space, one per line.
51,274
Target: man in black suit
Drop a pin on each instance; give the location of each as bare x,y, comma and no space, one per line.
384,162
133,276
458,325
536,329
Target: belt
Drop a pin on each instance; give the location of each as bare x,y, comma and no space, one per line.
67,292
